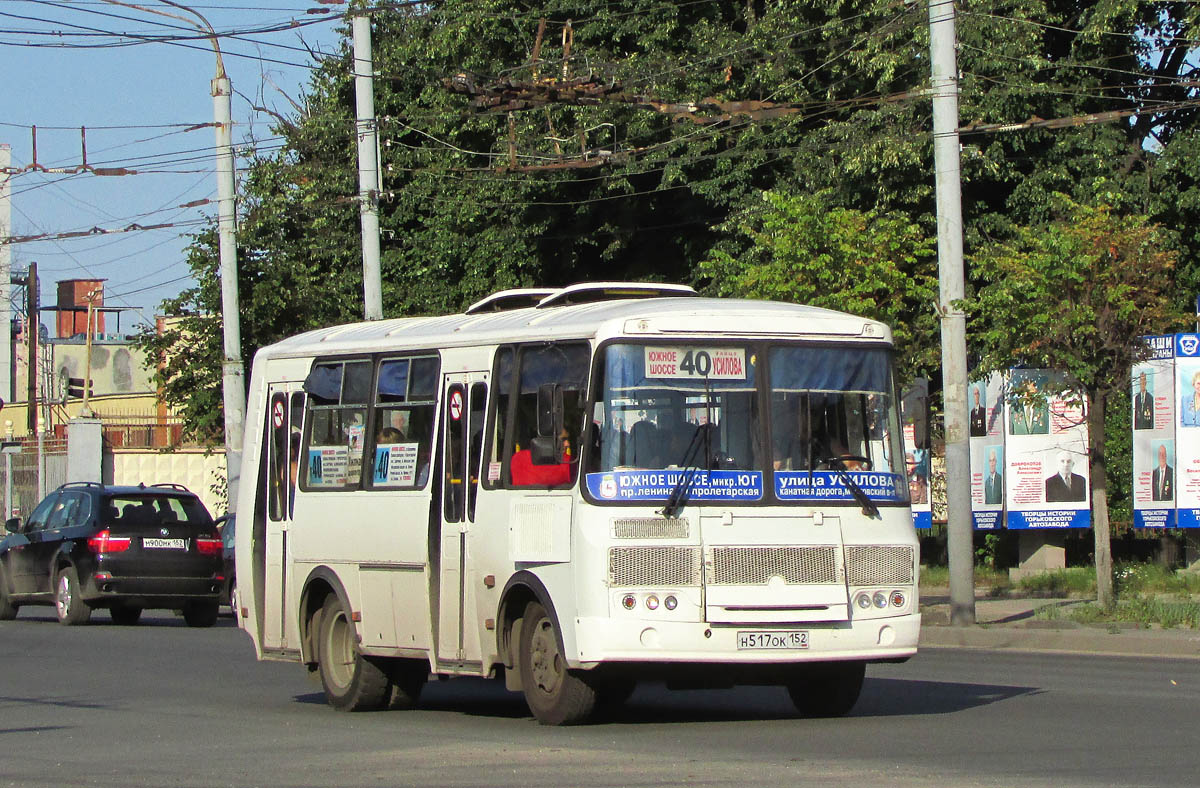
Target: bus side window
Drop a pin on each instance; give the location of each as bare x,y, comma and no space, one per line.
336,424
565,364
403,412
499,446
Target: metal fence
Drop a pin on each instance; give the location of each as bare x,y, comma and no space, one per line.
27,475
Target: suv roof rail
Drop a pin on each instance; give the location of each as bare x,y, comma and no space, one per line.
80,484
171,486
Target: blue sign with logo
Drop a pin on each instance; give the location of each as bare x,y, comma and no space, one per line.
656,485
831,485
1050,518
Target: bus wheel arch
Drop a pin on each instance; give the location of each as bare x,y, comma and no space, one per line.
521,589
320,583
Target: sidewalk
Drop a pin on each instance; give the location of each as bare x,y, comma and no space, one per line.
1013,623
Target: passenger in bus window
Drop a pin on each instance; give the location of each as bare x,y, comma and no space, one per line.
525,474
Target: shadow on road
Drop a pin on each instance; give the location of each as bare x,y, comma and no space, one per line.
654,703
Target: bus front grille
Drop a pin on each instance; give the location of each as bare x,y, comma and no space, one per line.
757,565
870,565
650,528
654,566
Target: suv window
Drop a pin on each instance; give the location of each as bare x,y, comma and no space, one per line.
37,520
72,508
152,511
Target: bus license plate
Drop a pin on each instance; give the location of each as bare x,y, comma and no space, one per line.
164,544
765,641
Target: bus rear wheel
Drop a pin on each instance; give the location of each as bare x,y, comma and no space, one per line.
352,682
827,689
556,695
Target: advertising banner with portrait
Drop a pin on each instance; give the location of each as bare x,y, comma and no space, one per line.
986,403
1153,417
1046,463
914,407
1187,436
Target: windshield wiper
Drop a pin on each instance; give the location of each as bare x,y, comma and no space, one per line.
868,506
683,487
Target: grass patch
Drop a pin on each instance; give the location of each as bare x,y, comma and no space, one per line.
1133,578
1143,611
1076,581
939,577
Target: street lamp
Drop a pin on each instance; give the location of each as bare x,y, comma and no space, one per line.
232,374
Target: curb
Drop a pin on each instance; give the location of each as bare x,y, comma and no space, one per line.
1170,644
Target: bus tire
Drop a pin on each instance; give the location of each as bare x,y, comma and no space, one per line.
351,681
828,689
556,695
407,677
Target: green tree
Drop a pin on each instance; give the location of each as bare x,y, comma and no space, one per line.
1073,295
808,251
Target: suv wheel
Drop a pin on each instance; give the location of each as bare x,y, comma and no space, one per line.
125,615
200,614
8,611
68,603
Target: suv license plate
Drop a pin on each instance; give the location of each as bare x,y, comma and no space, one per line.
164,544
766,641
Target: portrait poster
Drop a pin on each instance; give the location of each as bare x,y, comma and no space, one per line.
1187,435
1154,444
986,406
1046,457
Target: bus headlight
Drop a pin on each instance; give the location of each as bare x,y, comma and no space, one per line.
652,602
881,599
898,599
670,603
629,601
863,600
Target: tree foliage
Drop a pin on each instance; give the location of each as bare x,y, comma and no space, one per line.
806,251
1073,295
650,190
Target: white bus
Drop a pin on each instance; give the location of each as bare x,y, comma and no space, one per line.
576,489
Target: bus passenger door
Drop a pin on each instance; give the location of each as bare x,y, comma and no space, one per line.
282,455
464,397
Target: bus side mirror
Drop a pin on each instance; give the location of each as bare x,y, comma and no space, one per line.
549,411
544,450
13,526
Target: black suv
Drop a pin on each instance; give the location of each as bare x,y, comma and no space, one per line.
124,548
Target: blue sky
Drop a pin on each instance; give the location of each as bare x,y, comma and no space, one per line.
136,101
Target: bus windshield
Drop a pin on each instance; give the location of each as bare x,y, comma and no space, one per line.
666,410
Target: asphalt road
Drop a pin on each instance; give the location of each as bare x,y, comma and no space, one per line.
161,704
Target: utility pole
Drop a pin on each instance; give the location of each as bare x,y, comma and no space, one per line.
6,386
946,160
368,164
34,322
233,379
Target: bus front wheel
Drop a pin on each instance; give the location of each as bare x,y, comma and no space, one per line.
556,695
351,681
827,689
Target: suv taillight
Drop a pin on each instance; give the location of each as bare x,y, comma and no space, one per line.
206,546
105,542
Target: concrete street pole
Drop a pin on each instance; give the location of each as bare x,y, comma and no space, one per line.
944,84
368,164
233,383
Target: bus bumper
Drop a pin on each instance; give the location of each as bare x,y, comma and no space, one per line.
601,640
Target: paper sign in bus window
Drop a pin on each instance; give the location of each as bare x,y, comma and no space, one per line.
396,464
696,362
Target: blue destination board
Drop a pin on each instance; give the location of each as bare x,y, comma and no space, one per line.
831,486
1050,518
657,485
